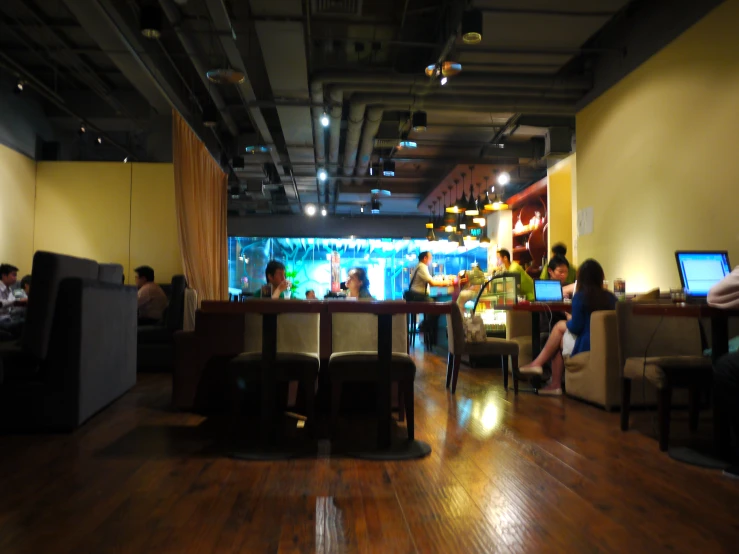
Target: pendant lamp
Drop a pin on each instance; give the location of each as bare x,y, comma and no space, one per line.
430,222
459,205
450,220
471,205
488,207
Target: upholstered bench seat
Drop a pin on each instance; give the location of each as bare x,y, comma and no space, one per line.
362,366
656,368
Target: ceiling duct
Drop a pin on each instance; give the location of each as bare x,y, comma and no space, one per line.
557,143
337,7
387,143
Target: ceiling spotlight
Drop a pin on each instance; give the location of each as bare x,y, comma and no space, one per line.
433,70
19,87
418,121
324,119
361,208
450,69
323,212
388,168
82,130
100,140
408,144
125,160
444,81
310,210
225,76
150,22
375,206
472,27
322,175
504,178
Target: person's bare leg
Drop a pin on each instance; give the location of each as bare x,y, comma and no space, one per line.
553,345
558,366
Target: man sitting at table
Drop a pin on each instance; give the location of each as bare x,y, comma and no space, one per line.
559,250
276,282
527,283
152,300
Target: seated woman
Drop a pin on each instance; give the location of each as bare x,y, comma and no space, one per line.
357,284
573,336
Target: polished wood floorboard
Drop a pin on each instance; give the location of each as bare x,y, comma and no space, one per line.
506,474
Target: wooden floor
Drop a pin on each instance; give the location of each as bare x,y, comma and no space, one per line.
506,474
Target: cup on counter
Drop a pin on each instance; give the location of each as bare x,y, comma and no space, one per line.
677,296
619,288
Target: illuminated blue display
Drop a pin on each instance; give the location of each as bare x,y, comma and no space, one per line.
388,262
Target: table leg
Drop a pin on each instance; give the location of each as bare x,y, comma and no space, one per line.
384,351
269,353
535,335
720,347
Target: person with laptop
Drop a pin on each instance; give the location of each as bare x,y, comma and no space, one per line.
559,251
527,283
573,336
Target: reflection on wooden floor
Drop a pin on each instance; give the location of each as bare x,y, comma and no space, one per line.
507,474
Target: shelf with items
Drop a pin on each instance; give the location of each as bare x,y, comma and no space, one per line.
530,226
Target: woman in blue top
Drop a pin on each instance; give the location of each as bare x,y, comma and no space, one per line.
573,336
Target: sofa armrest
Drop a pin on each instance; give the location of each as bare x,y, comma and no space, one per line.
93,344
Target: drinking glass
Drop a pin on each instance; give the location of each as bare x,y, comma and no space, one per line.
677,296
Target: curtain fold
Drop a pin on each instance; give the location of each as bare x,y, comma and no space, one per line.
200,194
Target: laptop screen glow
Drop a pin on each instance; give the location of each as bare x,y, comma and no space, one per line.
699,271
548,291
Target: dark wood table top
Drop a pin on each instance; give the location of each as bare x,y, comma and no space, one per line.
537,307
682,310
269,306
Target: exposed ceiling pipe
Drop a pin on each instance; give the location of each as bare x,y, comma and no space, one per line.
371,126
316,93
353,132
502,80
451,103
450,90
334,139
222,23
172,12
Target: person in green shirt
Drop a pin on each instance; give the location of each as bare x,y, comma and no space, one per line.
560,249
276,282
527,283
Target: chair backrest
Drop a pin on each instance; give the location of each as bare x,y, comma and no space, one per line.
175,314
110,273
358,333
518,324
640,336
295,333
455,329
48,271
191,304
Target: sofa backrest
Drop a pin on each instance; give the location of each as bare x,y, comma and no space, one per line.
48,271
455,330
110,273
358,333
641,336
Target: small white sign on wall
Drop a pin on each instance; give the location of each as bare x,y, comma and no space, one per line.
585,221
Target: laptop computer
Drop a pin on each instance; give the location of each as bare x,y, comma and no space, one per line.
547,290
700,270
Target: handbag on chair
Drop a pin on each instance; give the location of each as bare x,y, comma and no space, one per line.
412,295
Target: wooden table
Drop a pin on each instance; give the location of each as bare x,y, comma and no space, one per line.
385,311
537,308
719,347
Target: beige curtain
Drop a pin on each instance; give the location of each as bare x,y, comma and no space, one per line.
200,192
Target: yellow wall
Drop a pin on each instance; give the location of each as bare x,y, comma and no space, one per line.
154,239
17,197
109,212
656,157
560,178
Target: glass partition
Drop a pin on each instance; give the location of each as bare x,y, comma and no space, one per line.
388,262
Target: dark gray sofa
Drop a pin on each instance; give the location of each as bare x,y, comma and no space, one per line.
78,350
156,342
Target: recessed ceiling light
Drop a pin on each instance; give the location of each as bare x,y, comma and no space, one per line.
324,119
310,210
322,175
150,22
408,144
504,178
323,212
444,81
259,149
388,168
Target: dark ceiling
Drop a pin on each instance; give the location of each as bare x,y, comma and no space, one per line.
361,62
